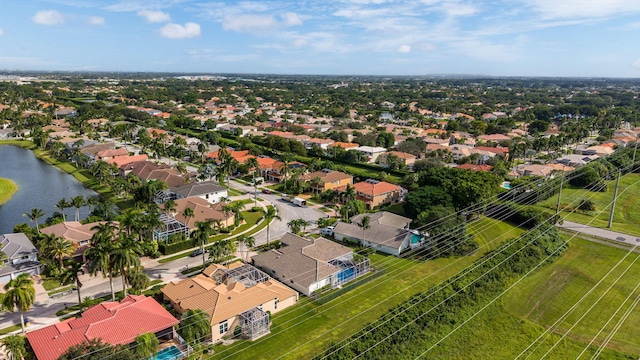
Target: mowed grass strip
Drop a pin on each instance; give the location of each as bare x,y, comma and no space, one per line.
295,333
626,218
546,295
7,189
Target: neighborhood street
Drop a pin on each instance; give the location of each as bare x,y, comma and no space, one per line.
44,310
601,233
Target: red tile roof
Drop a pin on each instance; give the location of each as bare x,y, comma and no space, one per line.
475,167
375,189
115,323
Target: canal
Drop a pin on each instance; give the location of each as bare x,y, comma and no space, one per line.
40,186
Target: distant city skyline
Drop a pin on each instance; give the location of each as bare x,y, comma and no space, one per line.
568,38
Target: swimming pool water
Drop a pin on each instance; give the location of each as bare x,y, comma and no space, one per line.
170,353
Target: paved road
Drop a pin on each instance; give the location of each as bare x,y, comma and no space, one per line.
601,233
43,311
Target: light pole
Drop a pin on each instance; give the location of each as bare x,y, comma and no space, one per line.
560,192
615,196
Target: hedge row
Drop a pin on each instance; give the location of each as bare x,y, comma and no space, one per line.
167,249
415,325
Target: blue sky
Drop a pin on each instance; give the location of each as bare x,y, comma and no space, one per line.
379,37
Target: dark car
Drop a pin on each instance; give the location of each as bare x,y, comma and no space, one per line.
266,191
196,253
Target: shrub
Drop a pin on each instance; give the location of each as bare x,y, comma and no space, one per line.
587,205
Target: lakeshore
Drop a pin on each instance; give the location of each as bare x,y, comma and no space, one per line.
7,189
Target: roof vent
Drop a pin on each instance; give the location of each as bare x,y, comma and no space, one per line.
229,298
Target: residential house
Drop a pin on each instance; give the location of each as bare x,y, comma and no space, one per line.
388,233
211,191
241,156
109,154
22,257
344,145
375,192
116,323
475,167
322,143
308,265
75,232
202,211
493,138
329,179
147,170
575,160
403,158
236,295
371,152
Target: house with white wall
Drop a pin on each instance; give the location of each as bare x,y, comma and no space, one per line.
22,257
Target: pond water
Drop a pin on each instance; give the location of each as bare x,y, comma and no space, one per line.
40,186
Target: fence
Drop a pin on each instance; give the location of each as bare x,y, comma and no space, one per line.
326,296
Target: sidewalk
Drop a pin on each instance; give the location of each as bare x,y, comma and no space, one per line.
601,233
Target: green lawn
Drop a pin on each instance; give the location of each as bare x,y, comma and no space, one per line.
7,189
308,328
546,295
627,215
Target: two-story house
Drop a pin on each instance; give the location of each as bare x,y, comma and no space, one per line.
22,257
375,192
329,179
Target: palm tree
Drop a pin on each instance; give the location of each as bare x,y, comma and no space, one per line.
349,193
286,161
364,224
170,207
78,202
126,255
100,252
270,215
14,346
59,248
20,294
253,164
146,346
247,242
188,213
194,325
61,205
201,235
130,220
316,182
34,215
71,274
294,226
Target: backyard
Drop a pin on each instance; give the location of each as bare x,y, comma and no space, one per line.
308,328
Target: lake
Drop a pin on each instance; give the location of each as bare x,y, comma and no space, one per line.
40,186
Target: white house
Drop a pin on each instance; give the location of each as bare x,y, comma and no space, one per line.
371,152
388,233
22,257
211,191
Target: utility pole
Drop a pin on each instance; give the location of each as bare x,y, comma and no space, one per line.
635,149
615,196
560,192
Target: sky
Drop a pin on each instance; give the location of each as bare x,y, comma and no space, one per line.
588,38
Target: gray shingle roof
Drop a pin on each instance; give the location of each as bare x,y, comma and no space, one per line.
198,188
386,228
16,245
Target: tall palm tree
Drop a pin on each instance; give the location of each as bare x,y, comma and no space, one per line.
59,248
72,274
78,202
364,224
201,235
270,214
130,220
170,207
61,205
100,252
349,193
146,346
286,161
247,243
194,325
253,164
14,346
126,255
34,215
20,294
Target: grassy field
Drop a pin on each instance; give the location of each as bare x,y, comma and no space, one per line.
627,215
7,189
546,295
306,329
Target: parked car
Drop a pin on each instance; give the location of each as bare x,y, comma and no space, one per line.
196,253
328,231
266,191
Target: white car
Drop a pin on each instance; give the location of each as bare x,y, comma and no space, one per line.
328,231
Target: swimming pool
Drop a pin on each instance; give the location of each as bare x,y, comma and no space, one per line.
170,353
415,238
506,185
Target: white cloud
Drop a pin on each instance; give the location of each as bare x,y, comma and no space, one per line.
177,31
554,9
291,19
48,17
403,49
95,20
252,24
155,16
